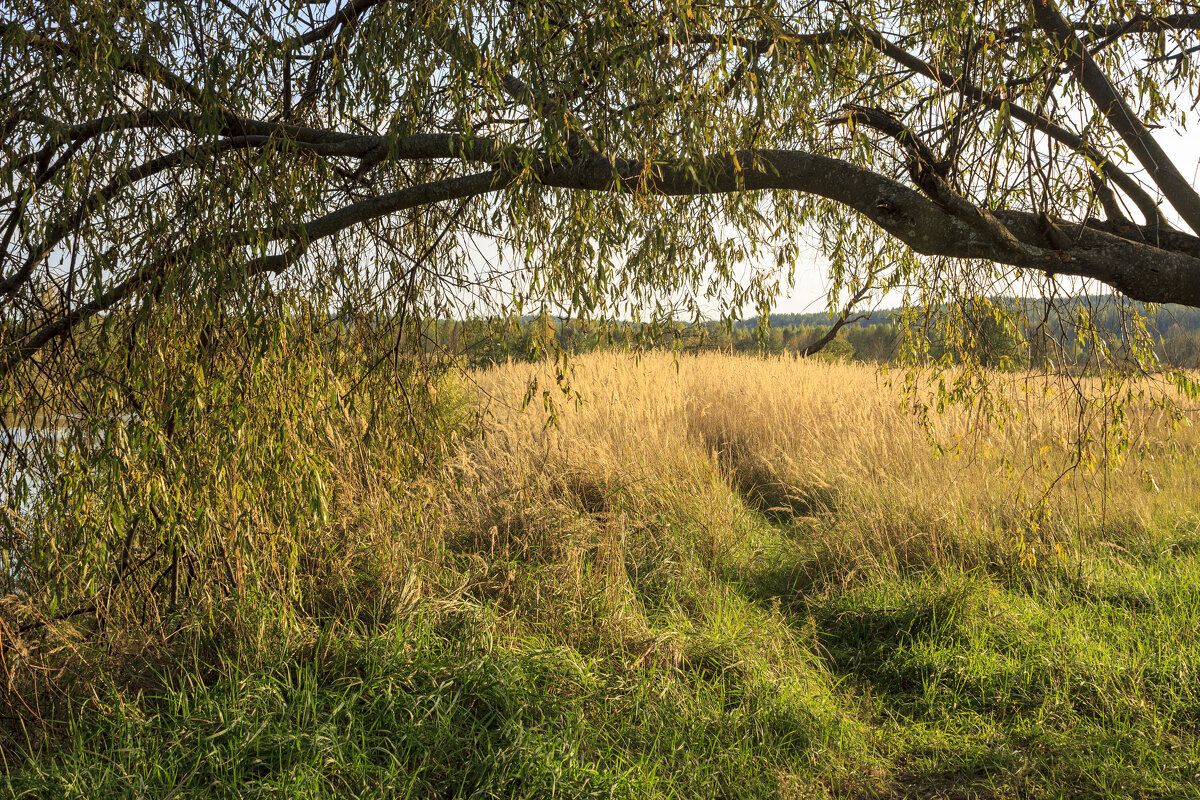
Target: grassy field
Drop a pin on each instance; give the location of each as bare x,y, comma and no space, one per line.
713,577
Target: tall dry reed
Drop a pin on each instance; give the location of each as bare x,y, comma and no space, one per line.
836,455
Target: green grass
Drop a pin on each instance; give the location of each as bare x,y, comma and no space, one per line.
1069,680
414,716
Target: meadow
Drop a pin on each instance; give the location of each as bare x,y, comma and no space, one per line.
685,576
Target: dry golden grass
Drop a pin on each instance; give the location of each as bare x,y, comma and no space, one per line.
714,572
832,452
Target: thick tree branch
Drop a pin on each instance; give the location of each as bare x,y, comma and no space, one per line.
324,141
1138,269
927,175
1173,241
995,102
1140,23
347,14
1124,121
957,84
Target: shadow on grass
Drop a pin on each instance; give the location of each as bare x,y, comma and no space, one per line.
978,695
420,720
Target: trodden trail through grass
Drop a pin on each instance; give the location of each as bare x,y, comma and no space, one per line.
717,577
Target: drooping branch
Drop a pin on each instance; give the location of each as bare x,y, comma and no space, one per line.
1124,121
298,238
996,102
462,50
1140,22
473,71
1138,269
926,172
959,85
325,143
58,232
142,65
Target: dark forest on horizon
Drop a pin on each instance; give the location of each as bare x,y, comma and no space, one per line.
1060,333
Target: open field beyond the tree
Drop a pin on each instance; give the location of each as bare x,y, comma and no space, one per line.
713,577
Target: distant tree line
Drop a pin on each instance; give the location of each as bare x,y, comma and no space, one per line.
1063,334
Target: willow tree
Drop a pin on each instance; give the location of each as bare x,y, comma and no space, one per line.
618,154
181,178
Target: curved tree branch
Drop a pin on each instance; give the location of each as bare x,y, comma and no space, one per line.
819,344
1124,121
959,85
995,102
1139,23
1138,269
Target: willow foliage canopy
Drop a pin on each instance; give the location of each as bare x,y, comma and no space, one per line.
220,217
217,160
